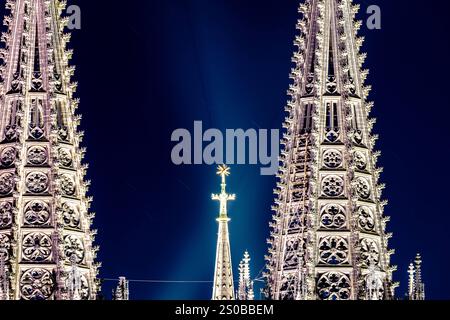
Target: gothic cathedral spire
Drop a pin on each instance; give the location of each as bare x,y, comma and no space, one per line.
223,273
416,287
328,238
46,239
245,289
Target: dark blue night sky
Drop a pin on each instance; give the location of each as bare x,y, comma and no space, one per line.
147,67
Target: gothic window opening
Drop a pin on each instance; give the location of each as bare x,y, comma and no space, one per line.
37,84
36,119
357,133
332,122
307,118
331,86
10,131
61,121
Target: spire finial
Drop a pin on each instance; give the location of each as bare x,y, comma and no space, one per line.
122,292
223,197
223,275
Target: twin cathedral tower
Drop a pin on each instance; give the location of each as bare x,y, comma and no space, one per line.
328,238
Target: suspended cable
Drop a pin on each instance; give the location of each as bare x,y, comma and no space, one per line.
170,281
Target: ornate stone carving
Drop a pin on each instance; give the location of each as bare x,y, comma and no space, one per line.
36,247
74,248
8,156
36,284
332,158
291,254
363,188
6,214
37,182
82,285
333,217
360,160
37,213
366,219
333,186
334,286
65,157
10,133
370,254
37,155
68,185
6,183
333,250
287,288
5,246
357,136
71,216
63,133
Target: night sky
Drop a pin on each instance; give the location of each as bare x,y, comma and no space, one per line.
147,67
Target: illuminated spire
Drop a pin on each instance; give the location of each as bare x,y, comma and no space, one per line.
45,218
245,291
416,288
223,276
329,239
122,291
411,272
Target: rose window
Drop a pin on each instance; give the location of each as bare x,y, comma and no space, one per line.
360,160
37,213
333,250
5,246
37,182
333,217
333,286
67,185
363,188
6,183
370,254
333,186
37,247
366,219
37,156
71,216
36,284
6,214
65,157
74,248
332,158
8,156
